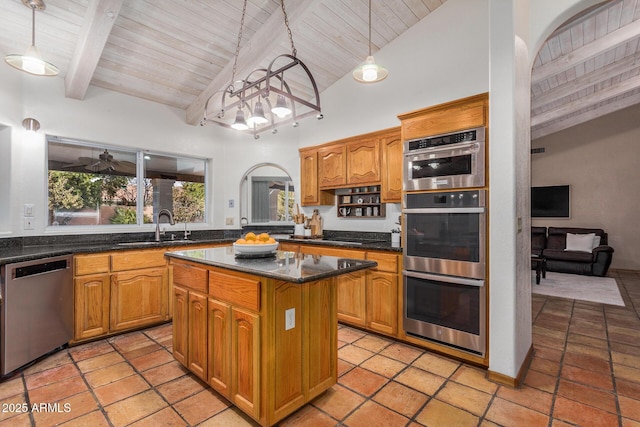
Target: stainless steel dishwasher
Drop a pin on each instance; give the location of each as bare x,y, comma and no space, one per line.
36,309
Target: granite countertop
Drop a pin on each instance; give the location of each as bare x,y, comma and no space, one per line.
295,267
65,245
29,253
346,242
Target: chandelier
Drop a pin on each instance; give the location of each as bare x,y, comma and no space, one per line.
264,99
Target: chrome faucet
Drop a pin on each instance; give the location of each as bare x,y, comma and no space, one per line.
168,214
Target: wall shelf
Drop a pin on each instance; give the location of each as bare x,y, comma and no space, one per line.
361,202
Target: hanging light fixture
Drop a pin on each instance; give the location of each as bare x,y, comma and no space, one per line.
31,62
265,93
369,71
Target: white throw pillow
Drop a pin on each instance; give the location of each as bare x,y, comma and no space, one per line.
580,242
596,241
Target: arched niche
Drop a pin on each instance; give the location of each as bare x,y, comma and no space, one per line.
267,195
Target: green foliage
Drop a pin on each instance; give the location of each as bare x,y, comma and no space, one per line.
188,202
73,190
124,216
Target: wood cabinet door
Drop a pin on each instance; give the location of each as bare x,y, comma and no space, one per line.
363,162
382,302
309,192
139,298
219,324
391,185
91,297
351,298
197,340
332,166
180,324
245,361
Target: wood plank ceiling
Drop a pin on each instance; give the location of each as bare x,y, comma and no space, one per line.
179,53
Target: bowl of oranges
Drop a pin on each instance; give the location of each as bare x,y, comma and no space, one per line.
252,243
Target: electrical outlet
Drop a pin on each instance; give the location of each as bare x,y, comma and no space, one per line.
229,221
28,223
289,319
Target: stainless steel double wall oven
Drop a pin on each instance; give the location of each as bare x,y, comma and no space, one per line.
444,239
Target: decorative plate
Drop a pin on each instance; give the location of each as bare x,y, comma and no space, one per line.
255,249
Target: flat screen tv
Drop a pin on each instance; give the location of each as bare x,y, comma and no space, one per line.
550,202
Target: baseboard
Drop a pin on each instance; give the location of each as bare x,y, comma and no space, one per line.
502,379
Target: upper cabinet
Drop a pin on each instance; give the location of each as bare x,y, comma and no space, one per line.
310,193
365,160
391,182
461,114
332,166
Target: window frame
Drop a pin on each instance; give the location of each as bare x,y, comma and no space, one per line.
140,154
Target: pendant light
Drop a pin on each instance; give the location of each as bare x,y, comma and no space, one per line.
31,62
370,72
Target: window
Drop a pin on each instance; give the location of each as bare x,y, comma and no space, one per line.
271,199
99,185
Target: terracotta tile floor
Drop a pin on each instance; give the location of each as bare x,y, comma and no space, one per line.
585,372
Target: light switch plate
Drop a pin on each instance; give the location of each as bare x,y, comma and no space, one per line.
231,203
28,209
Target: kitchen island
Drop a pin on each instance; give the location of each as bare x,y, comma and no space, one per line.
262,332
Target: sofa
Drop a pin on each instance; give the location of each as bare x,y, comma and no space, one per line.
551,243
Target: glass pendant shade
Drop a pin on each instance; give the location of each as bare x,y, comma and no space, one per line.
280,109
370,72
240,123
31,62
257,118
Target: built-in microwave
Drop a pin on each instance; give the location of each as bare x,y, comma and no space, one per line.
453,160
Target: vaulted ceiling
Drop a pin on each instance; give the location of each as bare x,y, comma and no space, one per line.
179,53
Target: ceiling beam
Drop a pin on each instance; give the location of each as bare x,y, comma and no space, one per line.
576,85
539,132
595,98
264,41
100,17
597,47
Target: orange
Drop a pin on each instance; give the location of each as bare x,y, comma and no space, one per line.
271,240
264,237
250,236
241,242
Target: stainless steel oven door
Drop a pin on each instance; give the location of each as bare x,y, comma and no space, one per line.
450,310
450,241
455,166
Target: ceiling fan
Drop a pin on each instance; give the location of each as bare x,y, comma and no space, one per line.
105,163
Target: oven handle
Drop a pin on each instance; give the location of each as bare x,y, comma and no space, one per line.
444,210
451,147
456,280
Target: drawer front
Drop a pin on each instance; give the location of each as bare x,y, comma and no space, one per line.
238,291
91,264
191,277
386,262
134,260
